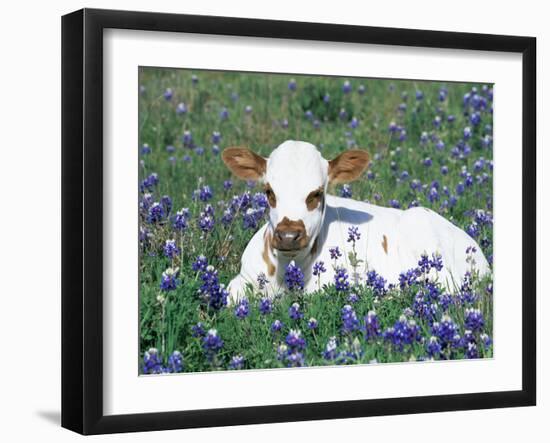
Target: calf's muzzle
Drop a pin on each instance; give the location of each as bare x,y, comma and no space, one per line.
290,235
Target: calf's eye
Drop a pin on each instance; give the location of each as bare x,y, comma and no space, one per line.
313,199
270,196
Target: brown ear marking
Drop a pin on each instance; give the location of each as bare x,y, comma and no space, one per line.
385,243
244,163
314,198
265,256
348,166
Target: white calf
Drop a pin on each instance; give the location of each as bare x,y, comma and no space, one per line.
305,222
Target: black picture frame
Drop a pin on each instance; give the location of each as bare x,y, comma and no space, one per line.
82,218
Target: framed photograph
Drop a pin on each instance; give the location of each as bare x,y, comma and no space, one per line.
270,221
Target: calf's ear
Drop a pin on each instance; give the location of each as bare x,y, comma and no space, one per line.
244,163
348,166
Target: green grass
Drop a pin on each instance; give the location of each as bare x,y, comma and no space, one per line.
167,325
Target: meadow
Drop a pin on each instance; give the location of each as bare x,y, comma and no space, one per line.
430,145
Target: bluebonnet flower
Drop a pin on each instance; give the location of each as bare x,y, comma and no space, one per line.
376,282
424,307
354,123
442,94
408,278
152,362
427,162
473,319
198,330
346,87
227,184
204,193
473,230
451,118
312,323
361,89
276,326
170,249
353,298
211,290
294,339
169,280
444,170
404,332
181,109
242,309
237,362
319,268
341,280
335,253
471,350
168,93
446,331
404,175
212,342
440,145
330,350
252,217
194,79
216,137
262,280
395,204
179,222
175,362
353,234
372,325
433,347
424,138
294,312
326,98
392,127
206,222
259,200
475,118
224,114
294,277
228,216
248,109
419,95
200,264
292,85
234,96
149,182
187,139
342,114
467,132
433,195
265,306
485,340
350,322
345,191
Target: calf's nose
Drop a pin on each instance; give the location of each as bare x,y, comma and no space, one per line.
290,235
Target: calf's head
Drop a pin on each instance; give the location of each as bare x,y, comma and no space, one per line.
295,178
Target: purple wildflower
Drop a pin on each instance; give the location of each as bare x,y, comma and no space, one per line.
294,312
294,277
